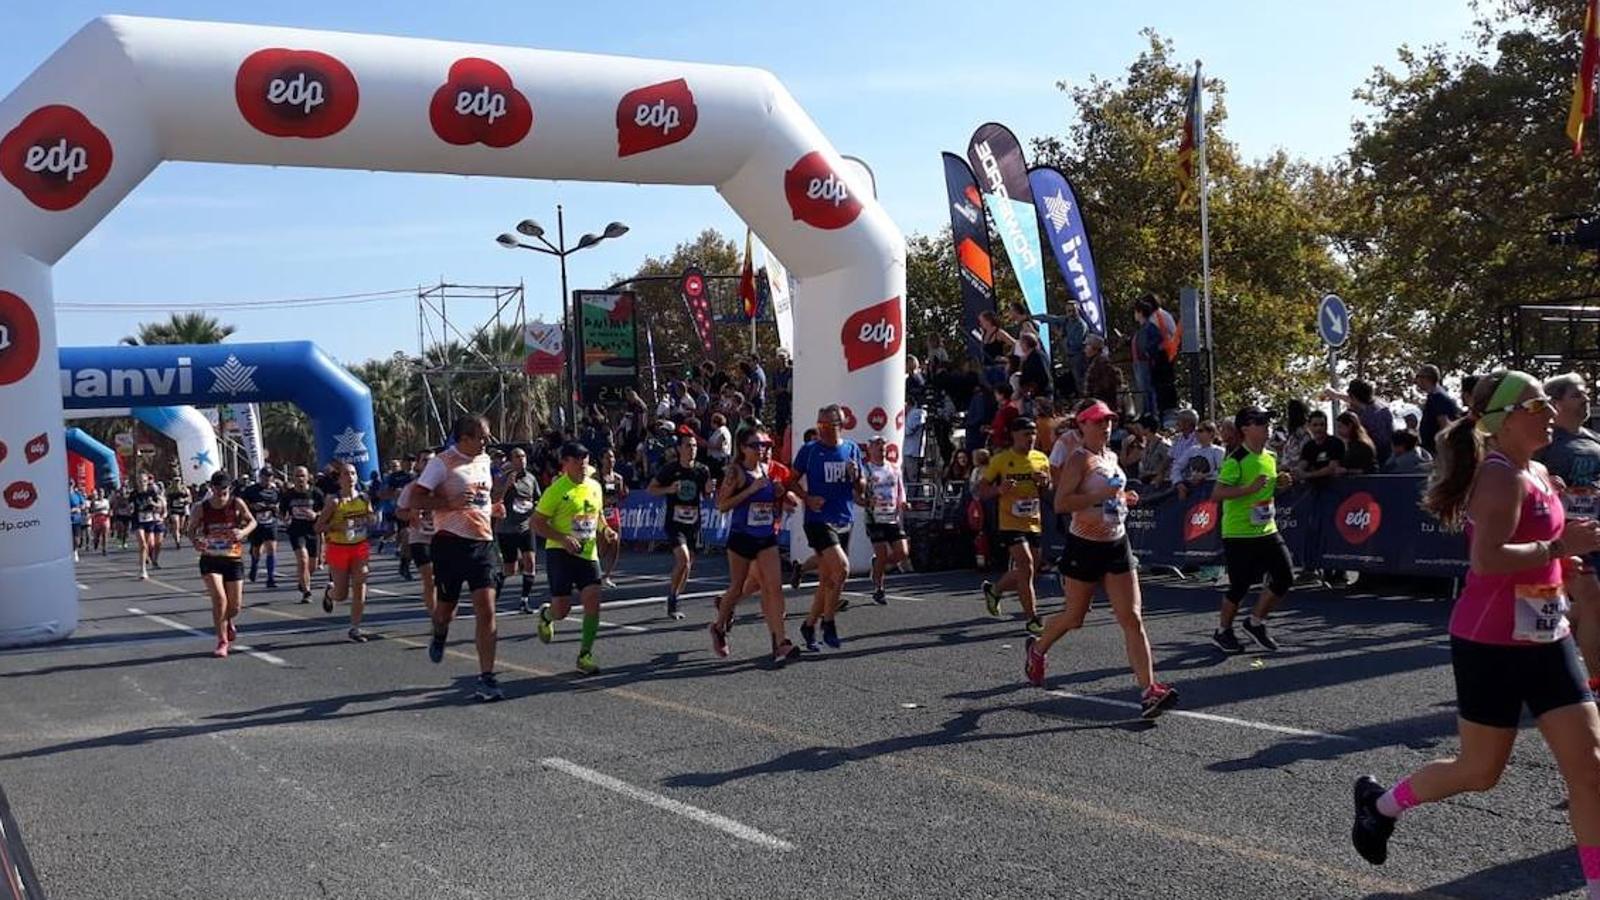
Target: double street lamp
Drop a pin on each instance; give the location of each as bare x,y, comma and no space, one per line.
560,250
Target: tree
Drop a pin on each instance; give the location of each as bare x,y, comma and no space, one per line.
1270,259
286,434
181,328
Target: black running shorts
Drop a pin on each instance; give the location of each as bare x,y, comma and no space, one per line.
230,568
749,546
569,574
1091,561
1263,559
1494,682
459,561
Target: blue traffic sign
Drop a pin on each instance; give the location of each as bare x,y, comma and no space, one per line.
1333,321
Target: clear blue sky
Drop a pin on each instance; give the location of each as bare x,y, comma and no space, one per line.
890,88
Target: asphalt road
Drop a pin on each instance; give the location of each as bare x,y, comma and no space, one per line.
913,762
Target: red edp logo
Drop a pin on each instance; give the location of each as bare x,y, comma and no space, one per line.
655,116
1358,518
1201,521
296,93
818,195
19,339
55,157
37,449
478,104
877,418
872,335
20,494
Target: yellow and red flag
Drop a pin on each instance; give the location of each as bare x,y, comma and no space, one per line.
1583,82
748,300
1193,141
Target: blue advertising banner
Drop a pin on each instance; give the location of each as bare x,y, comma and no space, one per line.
1068,236
644,519
1002,175
1367,523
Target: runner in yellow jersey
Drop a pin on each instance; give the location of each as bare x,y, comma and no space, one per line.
1019,477
569,519
344,522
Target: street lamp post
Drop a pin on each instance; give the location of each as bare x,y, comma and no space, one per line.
561,251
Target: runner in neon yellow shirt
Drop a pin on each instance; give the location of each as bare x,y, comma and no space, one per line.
570,517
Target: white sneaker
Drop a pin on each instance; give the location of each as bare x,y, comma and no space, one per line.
606,582
74,556
144,574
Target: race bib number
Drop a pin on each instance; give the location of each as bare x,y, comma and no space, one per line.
1262,514
1581,506
686,515
1113,511
148,515
522,507
584,527
480,498
759,514
1025,509
1541,614
219,546
355,531
267,517
303,513
688,490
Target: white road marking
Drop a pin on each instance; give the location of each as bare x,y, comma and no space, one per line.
605,624
1211,717
721,823
179,626
82,586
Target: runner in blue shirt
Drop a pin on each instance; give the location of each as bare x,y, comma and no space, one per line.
830,469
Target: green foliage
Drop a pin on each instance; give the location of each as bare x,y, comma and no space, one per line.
181,328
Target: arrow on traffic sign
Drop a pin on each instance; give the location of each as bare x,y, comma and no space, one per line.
1335,325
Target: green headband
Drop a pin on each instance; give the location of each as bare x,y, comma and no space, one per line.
1505,395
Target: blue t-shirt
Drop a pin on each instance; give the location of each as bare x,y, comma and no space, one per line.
76,499
826,472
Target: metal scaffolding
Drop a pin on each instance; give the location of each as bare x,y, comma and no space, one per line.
454,343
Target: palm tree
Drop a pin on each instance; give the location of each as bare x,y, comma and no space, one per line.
286,434
396,405
181,328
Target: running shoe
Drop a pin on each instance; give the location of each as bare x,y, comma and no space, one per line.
1157,699
879,597
830,633
808,638
719,640
230,631
844,603
356,635
144,574
1371,830
74,556
155,564
526,608
785,652
547,628
327,599
222,649
607,582
305,595
794,575
991,600
1036,663
1035,626
436,648
1226,641
272,583
672,608
586,663
488,688
1258,633
405,573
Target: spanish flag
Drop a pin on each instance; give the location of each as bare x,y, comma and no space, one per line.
1583,83
1193,141
748,300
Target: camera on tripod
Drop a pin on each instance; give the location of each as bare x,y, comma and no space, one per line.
1584,234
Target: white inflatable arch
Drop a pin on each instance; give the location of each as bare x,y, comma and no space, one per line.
125,94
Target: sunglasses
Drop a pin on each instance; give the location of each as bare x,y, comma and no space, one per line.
759,445
1531,405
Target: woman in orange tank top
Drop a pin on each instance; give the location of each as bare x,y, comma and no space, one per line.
218,527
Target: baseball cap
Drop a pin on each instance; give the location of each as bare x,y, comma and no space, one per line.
1252,415
573,450
1096,412
1023,423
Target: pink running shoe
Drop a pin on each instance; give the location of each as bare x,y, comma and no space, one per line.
719,640
222,650
1036,664
1157,699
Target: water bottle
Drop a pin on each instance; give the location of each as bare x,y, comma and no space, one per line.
1113,506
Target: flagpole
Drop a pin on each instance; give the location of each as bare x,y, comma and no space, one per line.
1205,244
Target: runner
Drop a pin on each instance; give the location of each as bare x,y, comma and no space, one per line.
418,530
148,510
78,515
394,483
753,490
301,504
100,521
327,481
1573,458
122,515
1092,491
1252,548
884,500
346,519
683,482
615,490
1510,641
568,518
456,487
179,500
1019,475
518,489
218,527
263,498
830,468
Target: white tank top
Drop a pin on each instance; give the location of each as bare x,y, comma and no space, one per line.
1103,521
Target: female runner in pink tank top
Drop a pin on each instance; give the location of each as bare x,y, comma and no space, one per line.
1510,642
